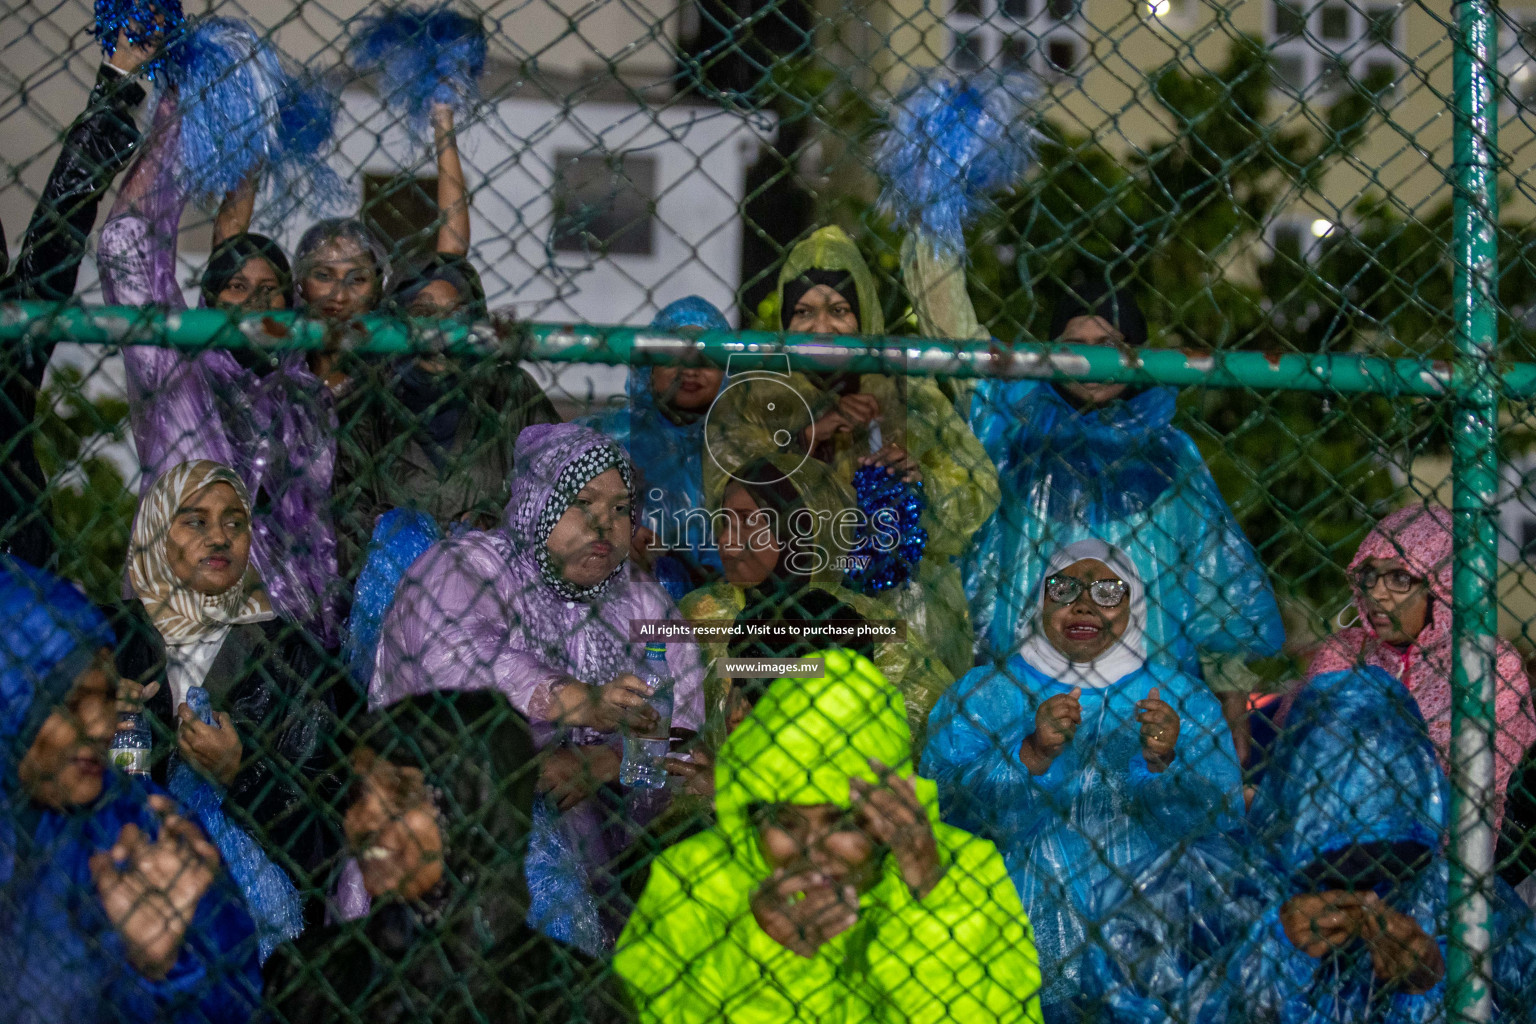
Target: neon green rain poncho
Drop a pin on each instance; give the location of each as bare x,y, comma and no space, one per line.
693,952
959,477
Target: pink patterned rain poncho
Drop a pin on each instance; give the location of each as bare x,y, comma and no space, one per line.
1421,536
488,611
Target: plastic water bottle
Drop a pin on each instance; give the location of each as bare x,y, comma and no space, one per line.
645,756
132,744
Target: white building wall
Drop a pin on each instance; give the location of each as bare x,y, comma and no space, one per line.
48,61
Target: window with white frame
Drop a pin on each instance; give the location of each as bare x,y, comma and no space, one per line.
1040,36
605,203
1318,46
1517,60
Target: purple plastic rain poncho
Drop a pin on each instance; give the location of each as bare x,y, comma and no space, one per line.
276,428
485,610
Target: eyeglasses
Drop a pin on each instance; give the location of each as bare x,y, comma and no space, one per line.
1399,581
1105,593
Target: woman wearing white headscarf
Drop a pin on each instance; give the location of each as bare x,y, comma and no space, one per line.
1078,756
201,619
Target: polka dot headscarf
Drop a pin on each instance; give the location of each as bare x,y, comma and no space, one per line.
583,469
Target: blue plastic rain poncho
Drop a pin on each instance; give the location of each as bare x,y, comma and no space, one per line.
60,958
1099,808
667,447
1120,472
1355,799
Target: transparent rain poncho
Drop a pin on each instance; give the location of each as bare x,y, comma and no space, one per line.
1099,808
1124,474
1195,934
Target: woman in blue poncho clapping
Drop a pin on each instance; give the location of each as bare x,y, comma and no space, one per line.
1332,907
1079,757
112,905
1104,460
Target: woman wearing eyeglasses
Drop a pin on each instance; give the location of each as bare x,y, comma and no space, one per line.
1401,579
1078,756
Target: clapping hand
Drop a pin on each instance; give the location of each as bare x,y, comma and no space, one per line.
804,910
891,812
851,411
150,890
1056,722
1159,730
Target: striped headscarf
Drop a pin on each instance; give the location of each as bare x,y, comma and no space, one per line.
179,613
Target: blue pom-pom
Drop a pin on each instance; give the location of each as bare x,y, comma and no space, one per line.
952,142
892,541
300,172
239,104
270,897
146,23
673,576
399,539
308,116
202,705
423,55
231,83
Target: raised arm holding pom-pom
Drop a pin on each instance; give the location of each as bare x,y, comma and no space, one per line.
452,195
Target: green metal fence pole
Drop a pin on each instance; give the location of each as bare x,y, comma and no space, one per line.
1475,481
27,323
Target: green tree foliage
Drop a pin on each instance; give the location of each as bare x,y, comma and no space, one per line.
92,504
1183,223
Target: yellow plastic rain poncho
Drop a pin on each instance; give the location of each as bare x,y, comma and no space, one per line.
693,951
959,478
911,663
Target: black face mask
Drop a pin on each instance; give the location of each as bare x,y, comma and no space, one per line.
419,390
1379,867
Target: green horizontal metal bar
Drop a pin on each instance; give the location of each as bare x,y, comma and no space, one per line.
37,323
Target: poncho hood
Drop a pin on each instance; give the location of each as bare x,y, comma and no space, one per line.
830,248
1421,536
50,631
805,740
688,313
555,461
1354,766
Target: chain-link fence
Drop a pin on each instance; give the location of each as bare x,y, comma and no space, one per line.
912,510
